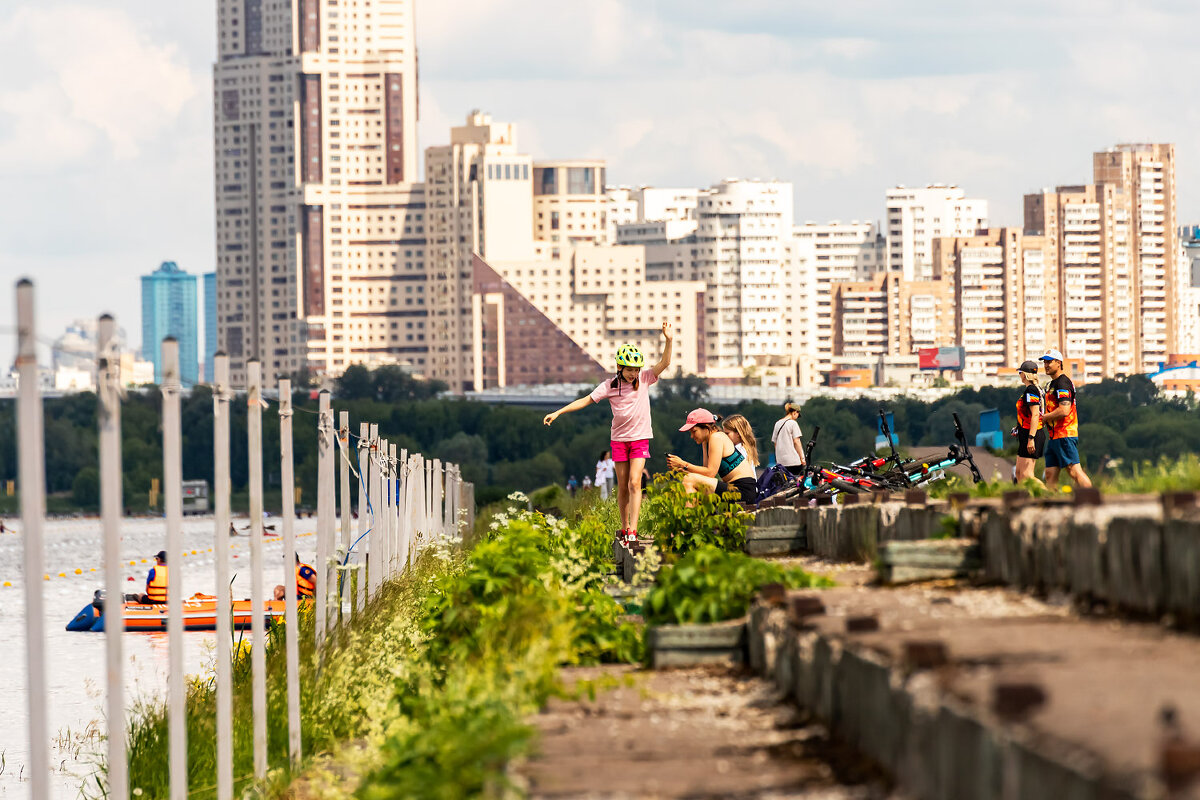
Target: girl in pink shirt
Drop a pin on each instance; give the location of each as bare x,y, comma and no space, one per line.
628,395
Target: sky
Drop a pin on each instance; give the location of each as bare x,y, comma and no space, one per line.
105,110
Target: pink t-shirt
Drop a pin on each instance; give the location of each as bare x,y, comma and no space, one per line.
631,410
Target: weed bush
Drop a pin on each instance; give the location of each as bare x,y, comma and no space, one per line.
681,522
711,585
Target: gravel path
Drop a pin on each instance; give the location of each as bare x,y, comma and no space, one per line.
704,732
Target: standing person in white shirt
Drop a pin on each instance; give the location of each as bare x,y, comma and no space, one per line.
789,447
602,475
610,470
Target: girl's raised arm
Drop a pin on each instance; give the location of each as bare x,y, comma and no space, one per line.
574,405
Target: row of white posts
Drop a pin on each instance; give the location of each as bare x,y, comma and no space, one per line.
405,503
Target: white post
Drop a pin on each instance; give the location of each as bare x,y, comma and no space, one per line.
385,513
377,501
394,517
287,476
258,639
402,509
325,511
420,505
344,493
221,525
31,455
108,395
173,505
364,511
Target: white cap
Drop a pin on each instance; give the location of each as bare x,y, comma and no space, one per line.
1052,355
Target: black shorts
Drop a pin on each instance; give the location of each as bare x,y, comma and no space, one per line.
747,487
1039,443
796,471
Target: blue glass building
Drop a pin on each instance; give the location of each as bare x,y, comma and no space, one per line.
210,323
169,309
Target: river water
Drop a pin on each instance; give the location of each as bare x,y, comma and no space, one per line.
75,661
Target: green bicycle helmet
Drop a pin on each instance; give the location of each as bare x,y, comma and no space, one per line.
630,356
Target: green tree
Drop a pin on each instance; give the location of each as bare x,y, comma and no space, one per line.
85,489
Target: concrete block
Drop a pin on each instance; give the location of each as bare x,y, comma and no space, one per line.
1181,564
688,645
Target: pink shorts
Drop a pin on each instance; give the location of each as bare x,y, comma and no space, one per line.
626,451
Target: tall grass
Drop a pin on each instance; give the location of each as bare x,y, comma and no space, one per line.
1166,475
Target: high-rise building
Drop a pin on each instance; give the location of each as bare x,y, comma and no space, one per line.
1145,173
741,235
888,316
997,281
917,216
320,222
210,323
479,190
570,206
816,257
1091,303
169,309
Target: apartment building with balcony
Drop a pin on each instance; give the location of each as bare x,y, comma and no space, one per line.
916,216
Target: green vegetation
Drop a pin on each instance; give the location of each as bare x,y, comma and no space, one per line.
425,694
1123,422
680,522
711,585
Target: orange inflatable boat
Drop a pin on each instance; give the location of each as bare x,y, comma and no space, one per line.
199,614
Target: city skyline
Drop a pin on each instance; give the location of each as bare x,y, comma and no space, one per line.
127,164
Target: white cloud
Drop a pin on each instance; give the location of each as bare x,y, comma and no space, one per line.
96,80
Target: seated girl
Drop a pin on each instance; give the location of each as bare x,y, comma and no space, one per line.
725,468
738,429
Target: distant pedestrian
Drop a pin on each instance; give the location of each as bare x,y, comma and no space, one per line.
789,447
1062,422
587,483
572,485
601,479
1031,434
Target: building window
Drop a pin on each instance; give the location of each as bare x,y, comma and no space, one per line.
581,180
545,180
554,220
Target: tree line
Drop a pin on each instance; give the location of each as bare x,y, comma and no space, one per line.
503,447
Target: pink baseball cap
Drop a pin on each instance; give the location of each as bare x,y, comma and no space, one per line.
698,416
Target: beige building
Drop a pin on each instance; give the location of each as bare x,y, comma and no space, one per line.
889,318
918,216
816,258
479,196
570,206
600,298
320,221
998,291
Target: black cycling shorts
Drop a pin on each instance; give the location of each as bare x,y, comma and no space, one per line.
1039,443
747,487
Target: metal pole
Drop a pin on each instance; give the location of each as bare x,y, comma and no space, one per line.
173,505
377,502
344,494
364,512
31,455
258,639
325,511
287,475
108,395
221,524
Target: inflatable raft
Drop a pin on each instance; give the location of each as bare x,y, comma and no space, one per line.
199,614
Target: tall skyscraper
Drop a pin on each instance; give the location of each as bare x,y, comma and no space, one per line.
917,216
169,309
1145,173
320,222
210,323
479,190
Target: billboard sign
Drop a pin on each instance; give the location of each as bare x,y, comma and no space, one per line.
942,357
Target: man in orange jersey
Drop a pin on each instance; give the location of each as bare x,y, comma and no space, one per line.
1062,422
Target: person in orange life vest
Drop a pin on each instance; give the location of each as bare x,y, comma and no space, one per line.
1031,434
1062,423
306,582
156,580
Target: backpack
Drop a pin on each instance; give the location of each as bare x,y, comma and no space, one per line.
773,479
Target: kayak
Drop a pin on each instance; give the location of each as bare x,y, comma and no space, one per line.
199,614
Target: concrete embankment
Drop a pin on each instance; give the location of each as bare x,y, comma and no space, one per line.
989,693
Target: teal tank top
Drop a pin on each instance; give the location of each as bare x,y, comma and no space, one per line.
730,462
